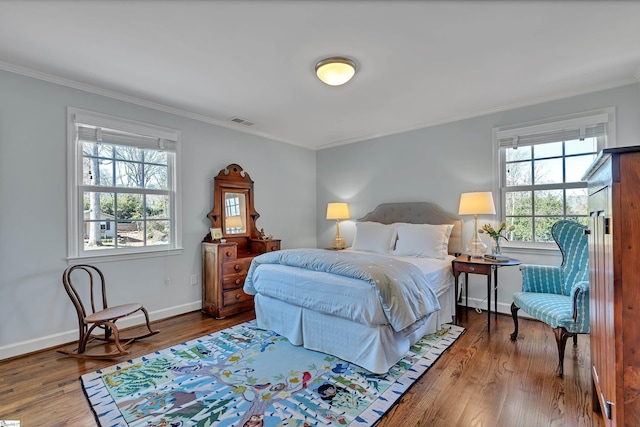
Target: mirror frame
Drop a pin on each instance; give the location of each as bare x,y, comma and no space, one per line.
233,179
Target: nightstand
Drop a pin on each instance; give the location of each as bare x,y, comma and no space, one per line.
465,264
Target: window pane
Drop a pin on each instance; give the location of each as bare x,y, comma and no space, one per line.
577,201
543,228
589,145
576,166
520,153
106,172
133,154
548,171
548,202
96,219
518,174
130,233
157,206
129,206
156,157
129,174
553,149
518,203
523,229
155,177
158,232
87,170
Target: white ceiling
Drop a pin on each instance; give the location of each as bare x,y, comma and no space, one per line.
420,63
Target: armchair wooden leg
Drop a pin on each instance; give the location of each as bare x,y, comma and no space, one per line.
561,339
575,339
514,314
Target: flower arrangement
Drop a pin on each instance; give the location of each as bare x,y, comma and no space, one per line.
496,234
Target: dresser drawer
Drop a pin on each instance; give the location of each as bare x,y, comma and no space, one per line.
233,281
235,297
238,266
259,246
228,253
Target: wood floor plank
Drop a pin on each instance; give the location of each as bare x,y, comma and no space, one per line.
484,379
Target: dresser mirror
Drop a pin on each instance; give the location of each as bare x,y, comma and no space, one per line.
235,212
233,209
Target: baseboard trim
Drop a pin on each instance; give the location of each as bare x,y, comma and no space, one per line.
504,308
36,344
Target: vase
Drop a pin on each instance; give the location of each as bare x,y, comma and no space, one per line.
495,248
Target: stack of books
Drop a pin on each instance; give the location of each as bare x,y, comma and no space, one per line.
497,258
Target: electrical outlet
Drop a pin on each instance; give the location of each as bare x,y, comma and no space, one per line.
194,279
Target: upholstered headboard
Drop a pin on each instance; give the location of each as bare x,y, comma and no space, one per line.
418,213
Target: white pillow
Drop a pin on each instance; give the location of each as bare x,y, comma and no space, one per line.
423,240
374,237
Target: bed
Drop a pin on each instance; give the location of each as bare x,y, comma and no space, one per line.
358,316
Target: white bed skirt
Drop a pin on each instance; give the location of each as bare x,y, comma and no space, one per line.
373,347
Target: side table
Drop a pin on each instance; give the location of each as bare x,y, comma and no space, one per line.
466,264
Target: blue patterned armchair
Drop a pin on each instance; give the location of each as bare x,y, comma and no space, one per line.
558,296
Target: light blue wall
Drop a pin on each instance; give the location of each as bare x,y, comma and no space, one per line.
34,310
432,164
438,163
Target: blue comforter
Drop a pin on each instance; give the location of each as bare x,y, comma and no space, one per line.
402,288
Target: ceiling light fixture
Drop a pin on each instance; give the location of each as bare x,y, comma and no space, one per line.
335,71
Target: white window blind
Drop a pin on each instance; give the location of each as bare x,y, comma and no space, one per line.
109,136
565,130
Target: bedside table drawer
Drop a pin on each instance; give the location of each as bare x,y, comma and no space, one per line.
473,268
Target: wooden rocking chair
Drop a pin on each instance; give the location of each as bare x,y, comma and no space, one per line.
104,318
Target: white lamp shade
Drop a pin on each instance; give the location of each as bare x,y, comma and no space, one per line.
477,203
337,211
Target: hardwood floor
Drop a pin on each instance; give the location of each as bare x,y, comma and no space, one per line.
484,379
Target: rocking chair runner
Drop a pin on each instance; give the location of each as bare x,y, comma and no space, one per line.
104,318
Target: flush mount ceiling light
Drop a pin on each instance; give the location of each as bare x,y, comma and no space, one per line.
335,71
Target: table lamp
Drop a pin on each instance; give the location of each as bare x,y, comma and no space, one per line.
476,203
338,211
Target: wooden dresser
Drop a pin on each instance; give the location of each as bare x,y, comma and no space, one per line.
234,241
224,270
614,256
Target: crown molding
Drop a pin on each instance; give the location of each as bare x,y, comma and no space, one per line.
493,110
96,90
217,122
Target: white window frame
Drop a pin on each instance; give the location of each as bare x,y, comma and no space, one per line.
75,200
557,124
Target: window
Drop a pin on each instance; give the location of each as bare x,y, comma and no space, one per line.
123,187
541,167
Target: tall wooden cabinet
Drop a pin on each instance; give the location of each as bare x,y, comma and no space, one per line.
614,256
234,241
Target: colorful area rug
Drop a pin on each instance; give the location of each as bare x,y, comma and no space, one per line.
244,376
